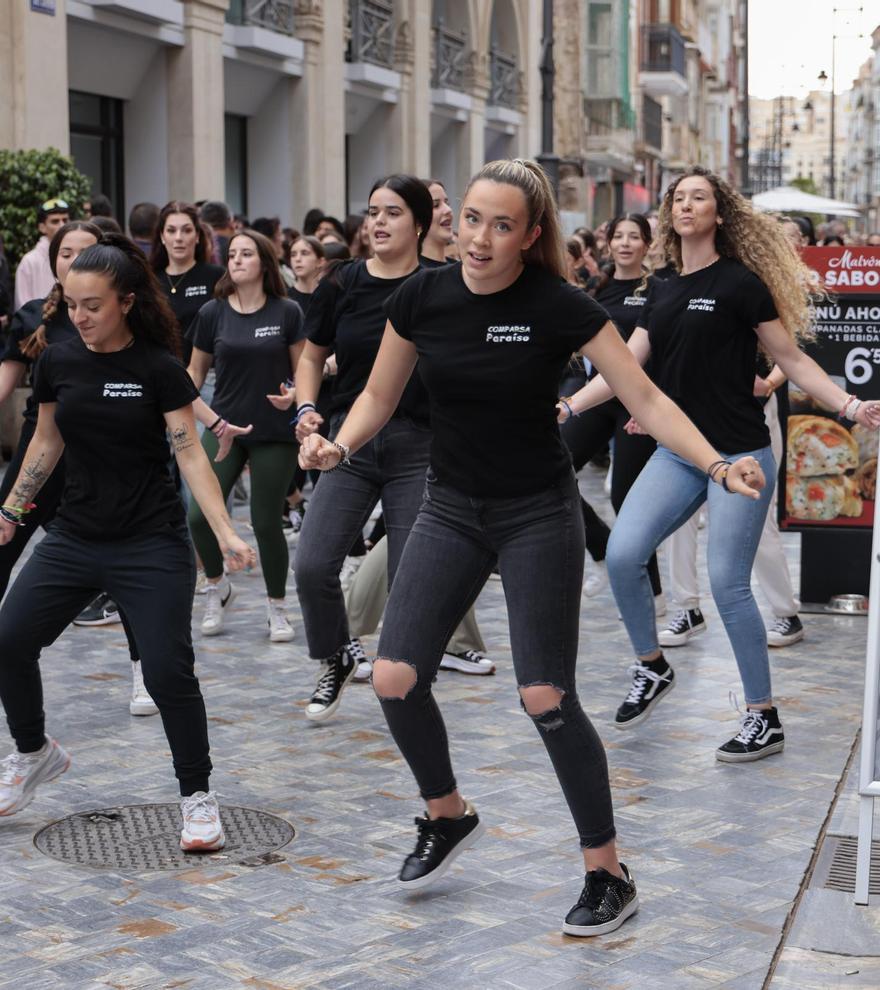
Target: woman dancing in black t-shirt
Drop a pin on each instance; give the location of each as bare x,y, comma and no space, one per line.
107,399
492,337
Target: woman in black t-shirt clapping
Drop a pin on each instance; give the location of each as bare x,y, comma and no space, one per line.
739,283
347,315
107,397
492,336
252,335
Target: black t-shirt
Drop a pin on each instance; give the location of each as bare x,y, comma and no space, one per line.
624,300
251,359
491,365
25,321
426,262
704,348
109,412
302,299
190,292
347,314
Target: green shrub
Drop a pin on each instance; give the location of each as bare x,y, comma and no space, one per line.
27,179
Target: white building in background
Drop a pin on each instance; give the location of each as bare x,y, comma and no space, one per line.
275,106
861,174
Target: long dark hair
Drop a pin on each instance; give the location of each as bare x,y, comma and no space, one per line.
159,253
641,221
35,343
273,283
123,262
415,194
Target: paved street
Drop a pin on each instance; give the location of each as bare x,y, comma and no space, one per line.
719,851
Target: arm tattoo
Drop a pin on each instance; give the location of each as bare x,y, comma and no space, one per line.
180,438
31,480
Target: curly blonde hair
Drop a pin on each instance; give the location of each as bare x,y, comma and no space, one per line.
757,241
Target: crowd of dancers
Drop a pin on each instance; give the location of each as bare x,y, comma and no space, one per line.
454,370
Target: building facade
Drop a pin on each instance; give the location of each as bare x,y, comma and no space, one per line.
644,89
276,106
861,171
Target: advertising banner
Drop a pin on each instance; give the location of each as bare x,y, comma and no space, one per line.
831,463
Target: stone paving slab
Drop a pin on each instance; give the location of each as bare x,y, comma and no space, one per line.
719,851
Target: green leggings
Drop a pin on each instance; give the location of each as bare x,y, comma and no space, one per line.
272,466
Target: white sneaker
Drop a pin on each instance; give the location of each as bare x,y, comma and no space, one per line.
350,567
21,773
596,578
280,629
468,662
202,829
358,654
201,582
141,703
217,597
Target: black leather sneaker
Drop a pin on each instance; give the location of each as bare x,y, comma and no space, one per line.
650,684
440,841
760,734
605,903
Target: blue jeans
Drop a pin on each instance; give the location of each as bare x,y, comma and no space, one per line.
667,493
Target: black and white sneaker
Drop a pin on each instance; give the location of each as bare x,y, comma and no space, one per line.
103,611
785,631
363,666
686,622
341,668
760,734
440,841
650,684
468,662
605,903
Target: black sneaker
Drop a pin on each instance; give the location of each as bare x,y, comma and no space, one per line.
685,623
760,734
440,841
103,611
340,670
468,662
785,631
648,687
605,903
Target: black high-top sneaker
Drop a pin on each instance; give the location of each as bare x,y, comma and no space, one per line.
440,841
651,682
341,668
605,903
760,734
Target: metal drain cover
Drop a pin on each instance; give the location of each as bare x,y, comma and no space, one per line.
145,837
836,865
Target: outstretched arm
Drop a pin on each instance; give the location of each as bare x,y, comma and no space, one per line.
598,389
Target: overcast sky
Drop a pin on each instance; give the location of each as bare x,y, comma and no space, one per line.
790,43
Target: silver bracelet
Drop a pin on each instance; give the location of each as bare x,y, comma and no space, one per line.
343,449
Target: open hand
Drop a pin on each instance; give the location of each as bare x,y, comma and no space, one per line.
869,414
317,453
229,434
285,399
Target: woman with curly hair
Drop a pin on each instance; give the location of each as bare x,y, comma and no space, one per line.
739,284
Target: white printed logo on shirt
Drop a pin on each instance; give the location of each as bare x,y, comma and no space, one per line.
195,290
123,390
267,332
508,335
703,305
634,301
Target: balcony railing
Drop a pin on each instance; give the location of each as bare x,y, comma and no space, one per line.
372,32
504,84
606,116
276,15
449,59
652,122
662,49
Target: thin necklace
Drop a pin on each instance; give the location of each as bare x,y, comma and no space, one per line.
180,278
695,270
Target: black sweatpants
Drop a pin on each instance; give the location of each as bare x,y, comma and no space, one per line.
152,578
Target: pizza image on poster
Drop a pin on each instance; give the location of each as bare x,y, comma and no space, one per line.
830,475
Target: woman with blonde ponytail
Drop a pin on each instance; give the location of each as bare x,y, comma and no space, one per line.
739,284
492,336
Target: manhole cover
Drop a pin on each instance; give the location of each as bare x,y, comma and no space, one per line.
144,837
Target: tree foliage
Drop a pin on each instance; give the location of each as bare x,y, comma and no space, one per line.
27,179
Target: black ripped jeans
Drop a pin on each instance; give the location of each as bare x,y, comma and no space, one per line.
538,543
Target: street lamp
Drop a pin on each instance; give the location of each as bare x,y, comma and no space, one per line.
823,78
